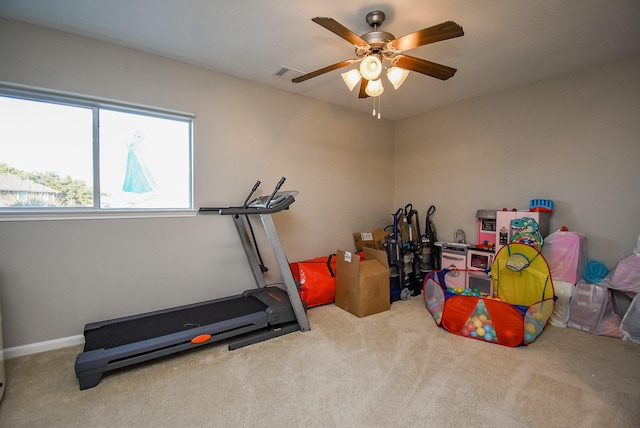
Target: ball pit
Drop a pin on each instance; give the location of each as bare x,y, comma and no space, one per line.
479,325
495,319
435,306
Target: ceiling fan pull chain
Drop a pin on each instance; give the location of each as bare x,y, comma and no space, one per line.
374,106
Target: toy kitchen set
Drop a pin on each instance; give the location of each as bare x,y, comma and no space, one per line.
470,263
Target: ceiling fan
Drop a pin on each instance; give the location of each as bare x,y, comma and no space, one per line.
374,47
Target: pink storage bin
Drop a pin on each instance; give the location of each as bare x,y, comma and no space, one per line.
566,253
630,326
625,276
588,306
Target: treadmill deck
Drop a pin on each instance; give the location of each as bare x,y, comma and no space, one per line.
161,323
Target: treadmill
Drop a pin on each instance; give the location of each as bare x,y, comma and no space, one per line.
253,316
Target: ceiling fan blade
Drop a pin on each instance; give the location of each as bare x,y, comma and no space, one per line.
323,70
429,68
363,86
340,30
437,33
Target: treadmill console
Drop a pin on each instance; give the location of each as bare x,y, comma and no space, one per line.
272,201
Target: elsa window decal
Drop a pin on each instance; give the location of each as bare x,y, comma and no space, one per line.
138,178
149,160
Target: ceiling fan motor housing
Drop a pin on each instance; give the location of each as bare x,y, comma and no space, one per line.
377,39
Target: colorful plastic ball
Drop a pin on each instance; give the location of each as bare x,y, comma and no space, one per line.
480,331
530,328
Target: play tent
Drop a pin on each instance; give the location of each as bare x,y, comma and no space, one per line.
517,312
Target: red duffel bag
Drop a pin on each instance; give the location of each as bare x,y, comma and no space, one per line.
317,280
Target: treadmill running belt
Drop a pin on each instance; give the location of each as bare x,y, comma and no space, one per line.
163,323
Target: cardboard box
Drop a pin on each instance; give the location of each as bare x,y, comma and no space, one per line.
362,287
373,239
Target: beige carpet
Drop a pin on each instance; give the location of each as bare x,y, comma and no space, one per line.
394,369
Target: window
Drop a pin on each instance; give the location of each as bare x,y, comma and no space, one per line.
61,153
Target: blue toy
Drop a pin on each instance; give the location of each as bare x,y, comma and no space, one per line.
541,205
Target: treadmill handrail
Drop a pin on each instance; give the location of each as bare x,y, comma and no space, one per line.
277,207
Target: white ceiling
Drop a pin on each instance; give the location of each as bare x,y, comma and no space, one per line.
506,43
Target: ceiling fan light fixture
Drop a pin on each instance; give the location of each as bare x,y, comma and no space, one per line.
351,78
371,67
396,76
374,88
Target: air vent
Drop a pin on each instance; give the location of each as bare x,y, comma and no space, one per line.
287,73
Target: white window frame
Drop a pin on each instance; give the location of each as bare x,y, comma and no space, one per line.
97,212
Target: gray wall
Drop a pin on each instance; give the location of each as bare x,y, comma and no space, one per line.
571,139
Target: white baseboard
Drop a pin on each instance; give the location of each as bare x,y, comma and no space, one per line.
49,345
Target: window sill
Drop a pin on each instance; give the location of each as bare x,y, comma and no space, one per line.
29,215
